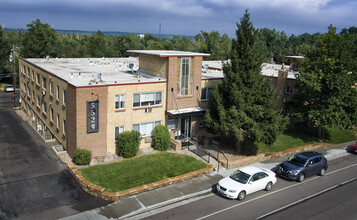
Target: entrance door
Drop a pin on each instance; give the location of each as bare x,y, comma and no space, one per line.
186,127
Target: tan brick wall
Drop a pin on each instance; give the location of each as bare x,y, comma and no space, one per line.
95,142
130,115
72,121
174,101
154,65
50,99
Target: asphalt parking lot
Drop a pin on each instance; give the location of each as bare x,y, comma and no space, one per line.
34,183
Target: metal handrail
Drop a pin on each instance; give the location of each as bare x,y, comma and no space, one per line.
212,155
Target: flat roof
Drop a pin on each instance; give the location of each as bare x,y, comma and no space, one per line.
82,72
169,53
272,70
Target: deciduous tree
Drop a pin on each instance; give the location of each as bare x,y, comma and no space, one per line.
327,94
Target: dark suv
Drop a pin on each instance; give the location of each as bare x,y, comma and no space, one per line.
303,165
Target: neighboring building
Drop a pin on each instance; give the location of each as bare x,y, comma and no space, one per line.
87,102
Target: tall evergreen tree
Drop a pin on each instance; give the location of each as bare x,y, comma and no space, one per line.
326,84
242,106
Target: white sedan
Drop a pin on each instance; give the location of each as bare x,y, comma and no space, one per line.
246,180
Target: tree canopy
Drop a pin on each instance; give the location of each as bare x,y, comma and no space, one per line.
326,84
40,40
242,106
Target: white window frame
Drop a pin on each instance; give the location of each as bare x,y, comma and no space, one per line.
38,79
58,92
44,107
51,116
118,130
144,102
64,127
64,97
38,100
119,101
142,127
185,83
44,83
58,121
51,88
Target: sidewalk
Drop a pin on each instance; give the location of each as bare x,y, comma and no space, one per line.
149,203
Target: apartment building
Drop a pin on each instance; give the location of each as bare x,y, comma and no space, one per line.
87,102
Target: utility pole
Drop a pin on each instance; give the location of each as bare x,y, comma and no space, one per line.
14,76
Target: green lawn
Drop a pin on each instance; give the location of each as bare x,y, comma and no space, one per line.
336,136
291,139
127,174
287,140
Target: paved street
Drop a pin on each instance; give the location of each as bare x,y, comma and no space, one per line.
334,197
34,183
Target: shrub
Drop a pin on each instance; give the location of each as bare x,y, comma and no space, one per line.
82,157
161,138
128,143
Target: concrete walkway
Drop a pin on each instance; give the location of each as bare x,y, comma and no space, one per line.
149,203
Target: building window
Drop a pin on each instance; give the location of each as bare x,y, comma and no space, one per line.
44,83
58,93
33,95
289,90
64,127
147,99
206,93
119,101
33,75
58,121
28,72
146,129
24,69
51,88
28,92
38,78
38,101
24,88
44,104
117,131
186,77
52,117
64,97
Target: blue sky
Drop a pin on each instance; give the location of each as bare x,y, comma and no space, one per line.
186,17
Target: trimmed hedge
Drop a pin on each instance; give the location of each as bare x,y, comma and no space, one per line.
161,138
128,144
82,156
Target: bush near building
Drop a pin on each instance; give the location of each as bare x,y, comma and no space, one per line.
128,144
82,156
161,138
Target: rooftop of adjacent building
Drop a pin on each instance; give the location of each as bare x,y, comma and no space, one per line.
82,72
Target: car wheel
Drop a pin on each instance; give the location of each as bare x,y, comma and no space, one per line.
322,171
241,195
269,186
301,177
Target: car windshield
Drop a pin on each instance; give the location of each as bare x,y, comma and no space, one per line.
298,161
240,176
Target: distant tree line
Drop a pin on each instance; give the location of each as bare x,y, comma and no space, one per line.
40,40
